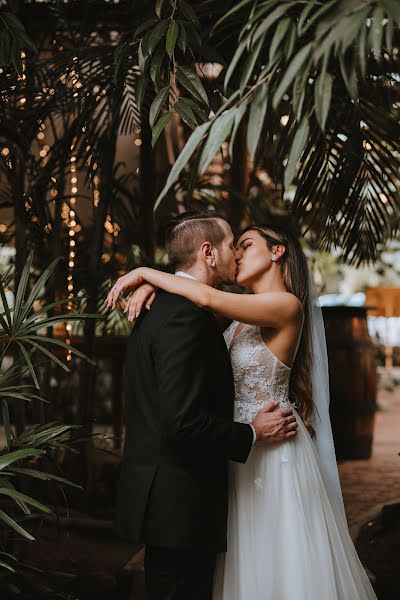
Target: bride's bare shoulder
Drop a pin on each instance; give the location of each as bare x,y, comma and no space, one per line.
285,302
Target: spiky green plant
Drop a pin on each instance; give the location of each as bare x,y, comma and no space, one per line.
22,454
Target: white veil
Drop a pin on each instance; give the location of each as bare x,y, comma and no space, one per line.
320,385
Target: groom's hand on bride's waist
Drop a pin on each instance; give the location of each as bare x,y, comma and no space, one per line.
273,425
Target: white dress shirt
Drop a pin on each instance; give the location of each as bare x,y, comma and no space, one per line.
183,274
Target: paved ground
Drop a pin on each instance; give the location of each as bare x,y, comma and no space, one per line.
368,483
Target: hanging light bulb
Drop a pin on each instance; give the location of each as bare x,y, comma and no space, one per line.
71,224
96,188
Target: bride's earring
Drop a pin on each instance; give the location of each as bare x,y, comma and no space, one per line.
212,263
274,257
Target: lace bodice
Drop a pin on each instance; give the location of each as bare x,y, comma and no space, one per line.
259,376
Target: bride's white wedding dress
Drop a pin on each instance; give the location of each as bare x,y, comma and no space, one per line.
287,537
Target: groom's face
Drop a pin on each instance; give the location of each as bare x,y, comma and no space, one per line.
225,256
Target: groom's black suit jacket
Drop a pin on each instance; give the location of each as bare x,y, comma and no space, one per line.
180,432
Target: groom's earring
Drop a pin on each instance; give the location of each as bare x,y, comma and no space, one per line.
274,257
212,263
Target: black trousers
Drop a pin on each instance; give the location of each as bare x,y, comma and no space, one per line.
173,574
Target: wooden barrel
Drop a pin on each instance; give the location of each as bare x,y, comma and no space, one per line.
353,380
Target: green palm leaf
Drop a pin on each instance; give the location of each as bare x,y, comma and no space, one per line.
40,435
14,525
46,477
34,295
6,484
22,288
29,364
62,344
6,323
11,457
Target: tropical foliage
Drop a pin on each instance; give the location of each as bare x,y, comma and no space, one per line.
29,453
314,85
60,119
329,69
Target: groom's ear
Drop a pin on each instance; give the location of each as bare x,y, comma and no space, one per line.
207,250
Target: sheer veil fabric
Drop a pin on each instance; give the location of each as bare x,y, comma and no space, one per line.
320,387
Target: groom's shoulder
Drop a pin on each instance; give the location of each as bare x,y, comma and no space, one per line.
166,301
168,309
167,306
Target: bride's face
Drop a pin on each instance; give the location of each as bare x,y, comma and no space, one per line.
253,258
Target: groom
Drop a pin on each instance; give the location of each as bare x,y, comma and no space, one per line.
180,434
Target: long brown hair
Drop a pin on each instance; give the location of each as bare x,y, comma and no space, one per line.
295,276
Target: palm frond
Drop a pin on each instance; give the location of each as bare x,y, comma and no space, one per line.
330,68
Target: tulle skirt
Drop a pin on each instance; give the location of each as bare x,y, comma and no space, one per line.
287,538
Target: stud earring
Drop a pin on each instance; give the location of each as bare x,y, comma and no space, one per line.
212,263
274,257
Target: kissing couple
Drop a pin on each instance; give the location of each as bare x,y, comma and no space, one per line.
229,474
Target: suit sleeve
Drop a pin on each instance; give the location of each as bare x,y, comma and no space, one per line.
185,376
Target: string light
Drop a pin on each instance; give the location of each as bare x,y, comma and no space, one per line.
112,228
96,188
69,216
22,78
44,150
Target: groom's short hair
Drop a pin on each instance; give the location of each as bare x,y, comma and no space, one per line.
186,232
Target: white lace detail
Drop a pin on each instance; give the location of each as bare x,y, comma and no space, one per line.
259,376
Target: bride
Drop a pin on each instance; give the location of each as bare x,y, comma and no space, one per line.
287,532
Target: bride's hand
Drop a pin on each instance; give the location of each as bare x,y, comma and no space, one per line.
124,285
144,295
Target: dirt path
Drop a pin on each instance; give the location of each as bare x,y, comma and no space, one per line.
368,483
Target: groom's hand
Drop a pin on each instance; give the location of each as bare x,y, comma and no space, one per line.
274,425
